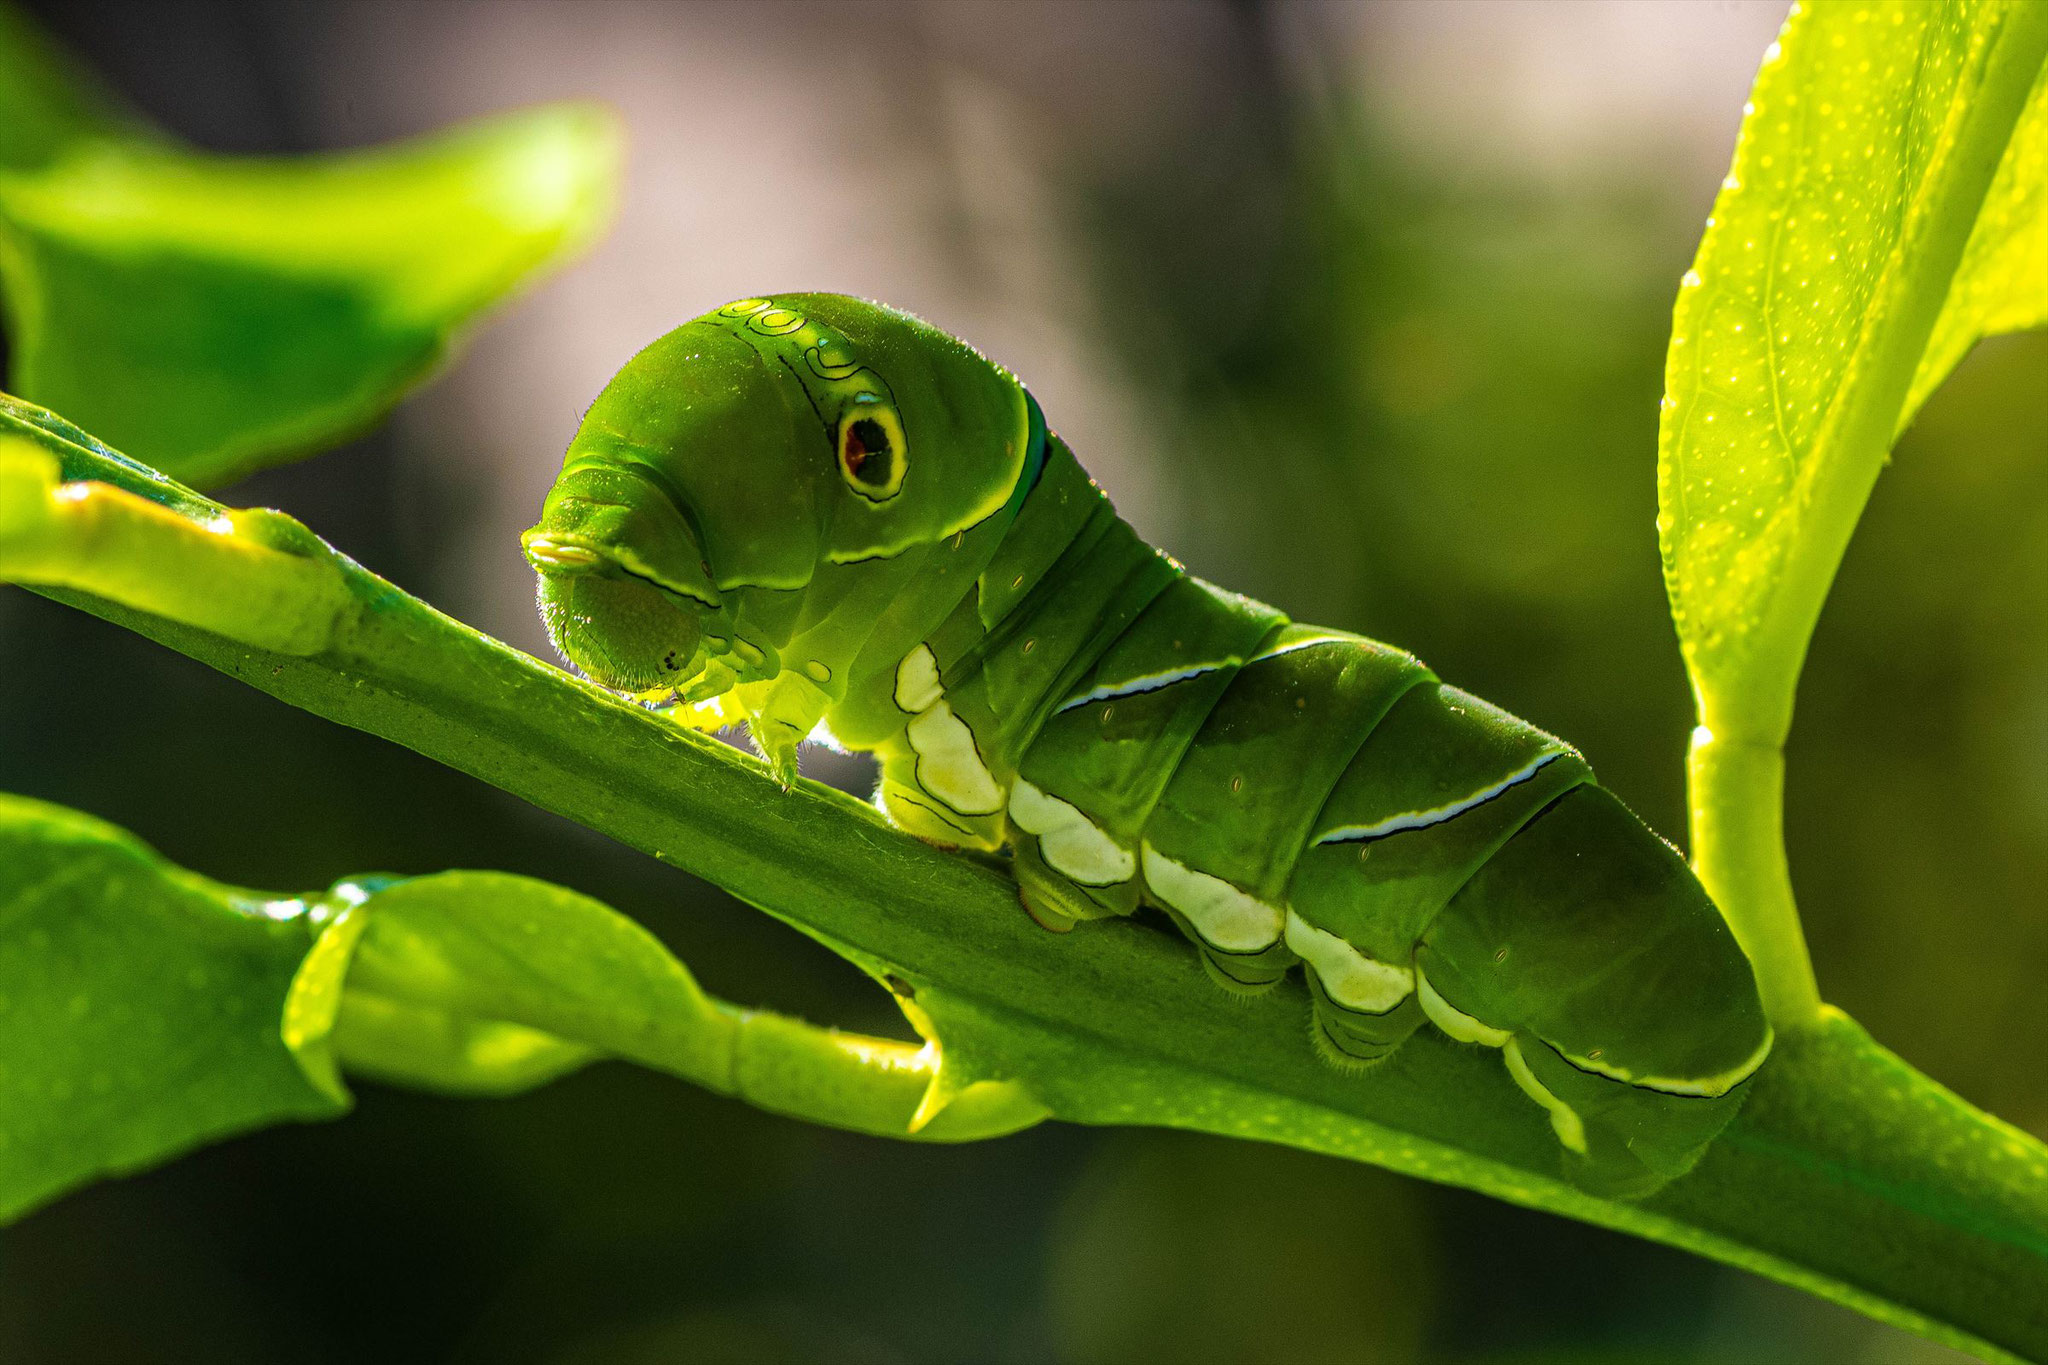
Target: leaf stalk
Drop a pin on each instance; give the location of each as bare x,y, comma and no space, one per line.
1736,799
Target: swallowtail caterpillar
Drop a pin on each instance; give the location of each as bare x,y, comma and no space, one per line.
814,510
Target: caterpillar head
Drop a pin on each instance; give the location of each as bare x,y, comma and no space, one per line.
745,450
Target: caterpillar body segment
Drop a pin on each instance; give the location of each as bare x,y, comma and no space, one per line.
815,511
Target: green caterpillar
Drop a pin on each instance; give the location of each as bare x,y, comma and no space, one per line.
813,511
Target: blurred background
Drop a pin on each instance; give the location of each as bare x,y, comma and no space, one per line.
1357,307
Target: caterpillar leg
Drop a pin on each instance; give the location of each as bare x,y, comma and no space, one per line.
1237,934
1068,868
1363,1009
1620,1140
908,798
1354,1039
780,715
1241,972
1056,900
1068,871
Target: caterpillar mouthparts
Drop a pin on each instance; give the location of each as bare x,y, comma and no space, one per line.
623,632
551,554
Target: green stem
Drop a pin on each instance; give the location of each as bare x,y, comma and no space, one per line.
1737,800
105,540
547,1002
820,1075
870,1085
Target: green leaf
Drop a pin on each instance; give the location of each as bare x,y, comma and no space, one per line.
215,314
419,1033
483,982
147,1010
2002,283
1873,137
141,1008
1881,214
452,1054
489,945
1847,1173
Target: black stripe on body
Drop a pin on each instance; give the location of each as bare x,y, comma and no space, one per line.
1429,819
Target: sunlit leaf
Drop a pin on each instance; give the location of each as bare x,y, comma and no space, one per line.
141,1008
213,314
1872,138
484,982
2002,284
451,1053
145,1010
471,955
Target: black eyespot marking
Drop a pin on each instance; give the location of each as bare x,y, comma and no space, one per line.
869,456
872,458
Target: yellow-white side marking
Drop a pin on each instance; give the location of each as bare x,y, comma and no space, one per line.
1074,845
1350,978
1718,1084
1437,815
1228,917
1564,1120
917,681
948,764
1455,1021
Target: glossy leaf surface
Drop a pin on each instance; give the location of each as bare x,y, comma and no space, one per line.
2002,283
1873,138
141,1008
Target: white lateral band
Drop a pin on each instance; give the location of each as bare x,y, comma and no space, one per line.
1075,846
1564,1120
917,681
1226,916
948,764
1349,977
1706,1086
